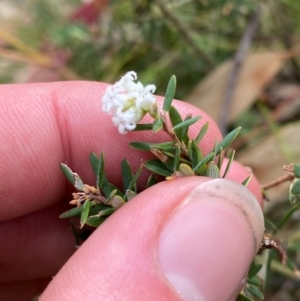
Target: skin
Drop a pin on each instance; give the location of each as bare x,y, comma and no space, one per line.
42,125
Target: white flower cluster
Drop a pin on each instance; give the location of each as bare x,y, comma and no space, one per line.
128,102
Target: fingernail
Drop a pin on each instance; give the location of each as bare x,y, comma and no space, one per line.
209,241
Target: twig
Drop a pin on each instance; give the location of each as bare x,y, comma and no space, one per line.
236,68
287,177
185,33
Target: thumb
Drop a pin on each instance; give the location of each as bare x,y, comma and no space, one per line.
178,240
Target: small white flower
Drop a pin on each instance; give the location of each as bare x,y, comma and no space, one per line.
129,102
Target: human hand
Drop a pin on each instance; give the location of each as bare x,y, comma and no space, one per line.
183,227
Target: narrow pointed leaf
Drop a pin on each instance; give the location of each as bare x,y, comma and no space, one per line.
204,161
247,180
241,297
127,174
145,146
95,209
106,212
69,174
85,212
228,139
95,221
76,211
220,158
215,151
229,164
100,172
175,119
143,127
254,290
157,125
157,167
107,188
254,281
176,158
194,153
254,269
186,123
184,132
132,185
202,133
170,93
94,163
287,217
151,181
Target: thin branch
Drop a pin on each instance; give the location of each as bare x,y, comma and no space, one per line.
287,177
236,68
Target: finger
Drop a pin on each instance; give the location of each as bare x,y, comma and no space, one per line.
35,246
43,125
178,239
47,241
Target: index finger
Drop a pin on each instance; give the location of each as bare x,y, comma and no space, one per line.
42,125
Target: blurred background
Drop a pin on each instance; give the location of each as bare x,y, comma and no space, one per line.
238,60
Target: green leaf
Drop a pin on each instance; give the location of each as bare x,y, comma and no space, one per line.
107,188
186,123
156,166
76,211
255,291
170,93
228,140
132,185
203,161
247,181
195,156
72,176
220,159
229,164
184,132
95,221
106,212
94,163
243,298
287,217
143,127
176,158
297,170
295,187
215,150
254,269
202,133
152,180
127,174
85,212
146,146
175,119
100,170
254,281
157,125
